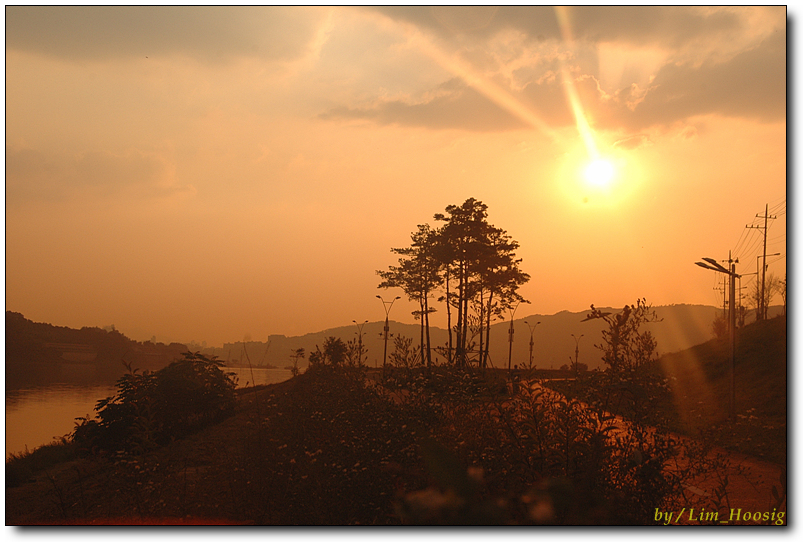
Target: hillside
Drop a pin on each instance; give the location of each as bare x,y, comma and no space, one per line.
696,400
39,353
700,378
682,326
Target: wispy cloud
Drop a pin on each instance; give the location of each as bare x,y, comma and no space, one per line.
211,33
745,78
33,175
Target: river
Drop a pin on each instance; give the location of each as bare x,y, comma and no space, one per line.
38,415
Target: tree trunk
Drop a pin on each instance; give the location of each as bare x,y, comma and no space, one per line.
421,307
429,346
449,316
488,329
461,293
480,359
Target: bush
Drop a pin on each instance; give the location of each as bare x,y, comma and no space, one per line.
153,408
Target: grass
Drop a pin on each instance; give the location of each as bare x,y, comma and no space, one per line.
22,467
320,449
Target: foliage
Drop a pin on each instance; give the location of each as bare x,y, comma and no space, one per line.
331,451
152,408
355,353
538,457
335,352
404,354
480,258
625,347
720,327
418,275
772,285
296,354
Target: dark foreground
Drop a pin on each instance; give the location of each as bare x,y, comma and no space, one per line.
330,447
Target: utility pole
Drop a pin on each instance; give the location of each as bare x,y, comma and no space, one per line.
713,265
733,276
739,309
724,289
762,312
576,356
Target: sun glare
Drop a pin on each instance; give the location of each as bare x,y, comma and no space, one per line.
599,173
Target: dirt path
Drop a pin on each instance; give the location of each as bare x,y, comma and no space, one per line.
748,483
749,487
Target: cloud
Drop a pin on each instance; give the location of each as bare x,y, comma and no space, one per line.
632,142
714,62
208,33
667,25
751,85
453,105
32,175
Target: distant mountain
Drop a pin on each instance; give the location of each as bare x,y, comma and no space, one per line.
682,326
39,353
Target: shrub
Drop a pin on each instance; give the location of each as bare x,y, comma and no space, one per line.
152,408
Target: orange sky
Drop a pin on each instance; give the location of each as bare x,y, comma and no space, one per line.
210,173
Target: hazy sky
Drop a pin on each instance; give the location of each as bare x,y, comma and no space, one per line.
206,173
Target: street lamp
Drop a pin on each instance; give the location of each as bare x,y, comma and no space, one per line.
576,356
387,328
713,265
359,340
532,328
510,334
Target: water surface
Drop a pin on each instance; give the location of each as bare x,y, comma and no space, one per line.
38,415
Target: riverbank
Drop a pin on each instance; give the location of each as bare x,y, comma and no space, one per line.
331,447
309,451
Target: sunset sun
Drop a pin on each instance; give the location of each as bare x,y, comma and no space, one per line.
599,173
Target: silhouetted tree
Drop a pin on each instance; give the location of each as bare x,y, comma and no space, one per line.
355,352
771,286
461,238
296,354
334,351
479,257
624,346
418,275
482,259
499,281
720,327
404,354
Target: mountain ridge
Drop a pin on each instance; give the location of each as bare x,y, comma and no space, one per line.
682,326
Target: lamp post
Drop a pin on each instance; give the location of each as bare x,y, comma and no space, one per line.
576,356
713,265
510,335
359,340
532,329
387,328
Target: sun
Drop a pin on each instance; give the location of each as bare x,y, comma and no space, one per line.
599,173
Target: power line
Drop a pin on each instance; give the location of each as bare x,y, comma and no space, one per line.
766,217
